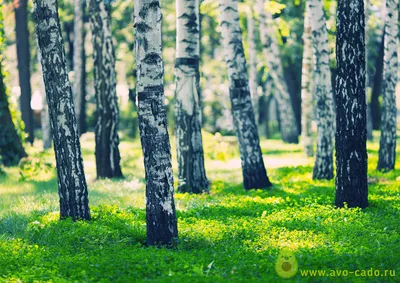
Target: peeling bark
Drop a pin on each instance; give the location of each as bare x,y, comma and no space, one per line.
323,167
254,173
160,206
189,144
253,63
387,145
72,187
306,88
24,74
107,140
272,57
351,132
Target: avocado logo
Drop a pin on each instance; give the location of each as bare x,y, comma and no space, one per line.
286,264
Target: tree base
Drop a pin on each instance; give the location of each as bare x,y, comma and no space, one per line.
257,179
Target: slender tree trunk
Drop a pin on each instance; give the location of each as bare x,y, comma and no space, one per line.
11,149
160,206
369,114
387,148
72,187
254,173
351,133
377,87
107,140
253,63
271,55
82,117
323,167
44,114
23,55
307,88
78,60
189,145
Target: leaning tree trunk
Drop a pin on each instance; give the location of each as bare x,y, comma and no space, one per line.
254,173
77,57
72,187
107,140
323,167
189,145
271,55
387,146
23,55
44,114
11,149
307,88
160,206
253,62
351,132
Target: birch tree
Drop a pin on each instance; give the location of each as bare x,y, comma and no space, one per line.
105,83
72,187
254,173
160,206
367,88
44,114
191,172
351,131
387,145
252,61
11,149
23,56
323,167
272,57
306,88
78,60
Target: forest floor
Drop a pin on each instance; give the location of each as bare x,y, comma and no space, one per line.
229,234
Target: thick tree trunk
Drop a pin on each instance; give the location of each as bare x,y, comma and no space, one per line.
72,187
160,206
307,88
271,55
107,140
323,167
253,63
23,55
11,149
351,133
387,147
44,114
78,60
189,145
254,173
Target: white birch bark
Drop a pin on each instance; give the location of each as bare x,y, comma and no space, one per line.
272,57
72,187
323,167
253,168
387,146
189,144
307,88
160,207
252,62
367,88
78,46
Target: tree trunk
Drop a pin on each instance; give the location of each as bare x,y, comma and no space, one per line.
23,55
351,132
253,82
387,146
82,117
78,60
72,187
323,167
377,87
307,88
254,173
271,55
369,114
11,149
107,140
189,145
44,114
160,206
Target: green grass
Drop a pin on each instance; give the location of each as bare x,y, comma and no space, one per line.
229,234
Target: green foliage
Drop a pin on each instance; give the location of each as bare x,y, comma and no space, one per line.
227,235
32,166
